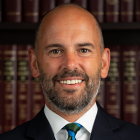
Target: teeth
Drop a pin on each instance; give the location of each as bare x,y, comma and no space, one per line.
70,82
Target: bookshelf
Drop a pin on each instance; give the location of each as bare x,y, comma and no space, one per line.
113,33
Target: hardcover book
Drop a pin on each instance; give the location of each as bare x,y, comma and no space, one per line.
45,6
23,85
137,10
113,83
130,87
96,7
59,2
111,10
30,10
82,3
9,86
12,10
127,10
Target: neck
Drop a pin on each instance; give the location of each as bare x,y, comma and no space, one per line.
67,116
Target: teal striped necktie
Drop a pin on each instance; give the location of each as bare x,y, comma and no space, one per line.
72,129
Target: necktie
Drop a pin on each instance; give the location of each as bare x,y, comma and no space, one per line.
72,129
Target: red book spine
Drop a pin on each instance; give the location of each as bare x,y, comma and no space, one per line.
130,83
30,10
82,3
58,2
37,96
45,6
9,86
23,85
1,92
96,7
101,94
12,10
113,84
112,11
126,10
137,10
0,11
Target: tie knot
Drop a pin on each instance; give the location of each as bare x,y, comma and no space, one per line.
72,129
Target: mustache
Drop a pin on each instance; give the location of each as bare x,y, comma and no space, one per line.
69,73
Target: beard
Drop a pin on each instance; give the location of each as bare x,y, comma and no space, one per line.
74,104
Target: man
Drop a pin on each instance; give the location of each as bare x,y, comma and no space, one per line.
69,57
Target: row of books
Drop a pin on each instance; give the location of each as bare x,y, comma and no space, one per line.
21,95
104,10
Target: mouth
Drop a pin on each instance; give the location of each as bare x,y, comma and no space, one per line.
70,82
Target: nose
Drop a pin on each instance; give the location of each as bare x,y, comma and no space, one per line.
70,62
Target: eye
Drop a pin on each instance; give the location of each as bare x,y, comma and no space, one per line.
84,50
55,51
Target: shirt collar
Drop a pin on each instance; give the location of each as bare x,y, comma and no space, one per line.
57,122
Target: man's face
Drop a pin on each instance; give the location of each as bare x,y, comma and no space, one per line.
69,62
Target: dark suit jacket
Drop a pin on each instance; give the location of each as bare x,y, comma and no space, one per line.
106,127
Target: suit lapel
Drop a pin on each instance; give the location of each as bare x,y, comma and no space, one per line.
104,126
39,128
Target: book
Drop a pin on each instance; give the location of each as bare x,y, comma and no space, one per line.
12,10
23,85
130,86
1,91
137,10
82,3
101,94
30,10
0,11
9,86
96,7
59,2
45,6
111,10
37,96
113,83
126,10
139,90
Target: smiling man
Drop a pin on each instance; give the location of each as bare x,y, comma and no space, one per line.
69,57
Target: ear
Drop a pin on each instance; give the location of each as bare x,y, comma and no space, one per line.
33,63
105,63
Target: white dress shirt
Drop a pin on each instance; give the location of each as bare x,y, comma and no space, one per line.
57,123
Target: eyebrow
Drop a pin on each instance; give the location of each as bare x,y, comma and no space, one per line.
85,44
53,45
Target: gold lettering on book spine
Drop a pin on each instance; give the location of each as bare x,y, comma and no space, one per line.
112,2
28,14
126,13
98,13
112,13
13,13
137,12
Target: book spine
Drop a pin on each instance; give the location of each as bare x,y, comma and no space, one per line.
101,95
37,96
0,11
130,83
23,85
113,84
137,10
30,10
45,6
111,10
82,3
126,10
1,91
9,86
12,10
96,7
59,2
139,90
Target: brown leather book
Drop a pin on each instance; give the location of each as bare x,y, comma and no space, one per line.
37,96
113,83
59,2
23,85
101,94
45,6
130,87
111,10
12,10
30,10
1,91
127,10
82,3
0,11
9,86
137,10
96,7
